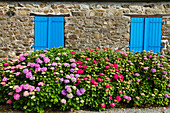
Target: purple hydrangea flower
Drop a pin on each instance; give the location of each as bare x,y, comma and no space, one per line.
137,74
71,75
45,51
4,79
149,56
64,54
166,95
153,70
68,76
137,80
18,73
163,75
145,68
21,58
161,56
124,96
73,65
43,69
41,55
148,78
61,79
78,92
37,65
129,61
57,58
46,59
66,64
37,60
69,90
63,101
25,71
31,88
70,95
82,90
38,88
129,98
28,75
168,85
73,79
32,65
66,81
71,70
77,75
164,72
63,92
67,86
54,64
72,60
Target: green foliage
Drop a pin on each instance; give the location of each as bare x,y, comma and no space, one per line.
96,79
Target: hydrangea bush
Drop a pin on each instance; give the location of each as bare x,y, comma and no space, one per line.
96,79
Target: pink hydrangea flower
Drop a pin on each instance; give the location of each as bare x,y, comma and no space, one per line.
110,98
26,86
99,79
26,94
72,53
41,83
41,55
18,73
116,76
43,69
4,79
94,61
31,88
9,101
25,71
112,104
120,92
28,75
102,105
63,101
101,74
18,89
10,93
16,96
118,98
80,71
107,67
5,64
46,59
107,85
84,66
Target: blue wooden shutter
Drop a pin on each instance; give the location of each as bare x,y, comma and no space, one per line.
153,30
41,31
136,34
56,32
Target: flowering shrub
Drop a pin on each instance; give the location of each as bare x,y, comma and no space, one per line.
65,79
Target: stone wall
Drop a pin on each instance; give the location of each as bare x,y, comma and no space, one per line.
89,25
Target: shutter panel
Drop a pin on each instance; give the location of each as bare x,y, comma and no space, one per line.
136,34
153,29
41,31
56,32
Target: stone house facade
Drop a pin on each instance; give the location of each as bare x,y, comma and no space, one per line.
89,24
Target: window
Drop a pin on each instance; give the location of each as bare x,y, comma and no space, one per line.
145,34
49,32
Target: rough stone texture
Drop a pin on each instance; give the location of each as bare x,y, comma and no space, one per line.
89,25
